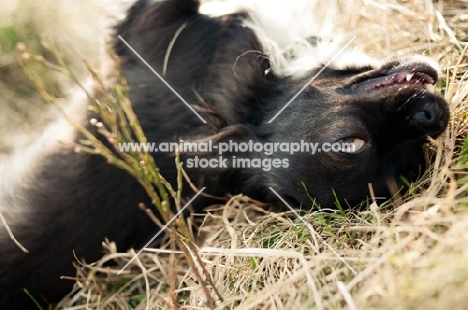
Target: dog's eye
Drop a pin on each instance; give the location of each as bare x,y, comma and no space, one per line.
351,145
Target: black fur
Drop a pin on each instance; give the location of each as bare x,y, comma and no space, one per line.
70,202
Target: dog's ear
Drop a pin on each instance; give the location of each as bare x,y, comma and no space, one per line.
241,73
235,133
222,178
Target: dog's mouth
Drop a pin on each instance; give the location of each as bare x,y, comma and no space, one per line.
418,77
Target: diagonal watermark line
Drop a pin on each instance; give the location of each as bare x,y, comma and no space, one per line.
161,78
312,79
313,231
161,230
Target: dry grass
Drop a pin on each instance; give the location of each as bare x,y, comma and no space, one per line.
407,254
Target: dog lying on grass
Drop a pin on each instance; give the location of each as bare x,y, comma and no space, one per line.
244,87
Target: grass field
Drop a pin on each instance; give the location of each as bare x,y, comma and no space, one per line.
407,253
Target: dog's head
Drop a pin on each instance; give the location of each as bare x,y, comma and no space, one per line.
380,114
369,123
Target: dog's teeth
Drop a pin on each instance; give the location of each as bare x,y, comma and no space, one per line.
430,88
409,76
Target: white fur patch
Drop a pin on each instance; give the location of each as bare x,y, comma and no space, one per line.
18,168
283,28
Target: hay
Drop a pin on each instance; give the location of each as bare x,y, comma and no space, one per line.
410,255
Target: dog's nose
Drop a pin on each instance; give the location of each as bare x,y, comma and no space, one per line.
429,116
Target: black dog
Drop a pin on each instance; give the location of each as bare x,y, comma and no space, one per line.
58,202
